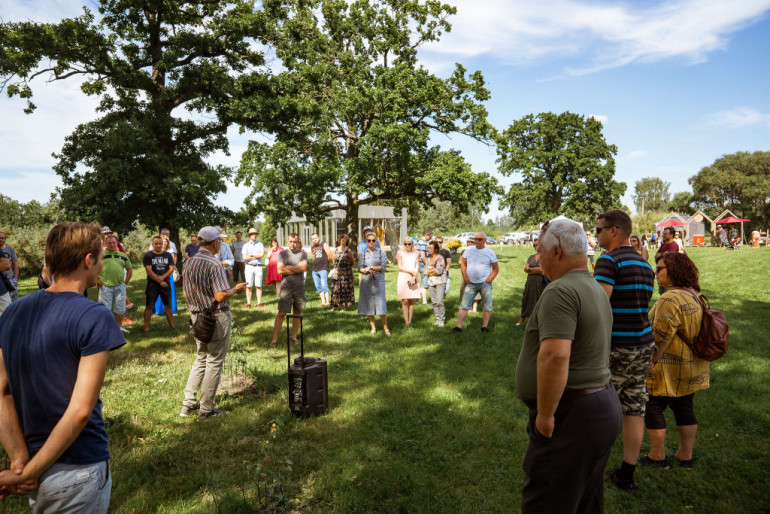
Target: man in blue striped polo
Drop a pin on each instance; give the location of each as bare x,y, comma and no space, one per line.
628,281
206,281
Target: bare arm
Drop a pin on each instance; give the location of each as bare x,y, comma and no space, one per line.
552,371
607,288
495,271
223,296
84,396
129,274
11,436
16,269
464,269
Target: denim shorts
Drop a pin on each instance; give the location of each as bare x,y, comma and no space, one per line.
114,298
321,280
471,290
73,488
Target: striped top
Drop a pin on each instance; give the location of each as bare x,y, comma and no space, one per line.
631,278
204,275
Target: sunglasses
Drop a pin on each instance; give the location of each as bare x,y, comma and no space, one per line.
599,229
480,239
371,240
407,244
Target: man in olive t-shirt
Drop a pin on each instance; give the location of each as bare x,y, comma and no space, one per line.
563,377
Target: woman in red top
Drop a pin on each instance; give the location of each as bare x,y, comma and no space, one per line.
273,277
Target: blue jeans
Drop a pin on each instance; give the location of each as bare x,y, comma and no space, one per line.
73,488
321,280
471,290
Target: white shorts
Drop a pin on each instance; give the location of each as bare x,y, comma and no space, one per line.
5,302
253,275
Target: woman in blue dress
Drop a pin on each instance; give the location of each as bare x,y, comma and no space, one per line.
371,294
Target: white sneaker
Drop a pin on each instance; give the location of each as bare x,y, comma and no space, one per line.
125,330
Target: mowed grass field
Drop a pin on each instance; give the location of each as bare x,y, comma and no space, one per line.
423,421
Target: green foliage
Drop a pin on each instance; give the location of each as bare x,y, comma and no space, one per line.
18,214
140,160
444,219
651,193
565,165
646,222
682,203
739,182
353,112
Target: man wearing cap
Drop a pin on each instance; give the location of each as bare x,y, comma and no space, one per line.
252,252
205,282
116,273
239,267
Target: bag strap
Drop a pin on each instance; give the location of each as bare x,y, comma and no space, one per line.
700,299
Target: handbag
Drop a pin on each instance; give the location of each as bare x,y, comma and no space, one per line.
714,335
333,273
205,323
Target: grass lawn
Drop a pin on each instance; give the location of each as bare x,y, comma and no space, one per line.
423,421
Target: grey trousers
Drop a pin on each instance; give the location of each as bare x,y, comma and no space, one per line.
207,369
437,294
73,488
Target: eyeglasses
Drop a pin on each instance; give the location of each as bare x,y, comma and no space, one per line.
599,229
657,269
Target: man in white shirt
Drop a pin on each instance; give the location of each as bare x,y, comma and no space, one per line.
252,253
479,268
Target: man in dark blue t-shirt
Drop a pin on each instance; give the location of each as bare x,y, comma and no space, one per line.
53,356
159,266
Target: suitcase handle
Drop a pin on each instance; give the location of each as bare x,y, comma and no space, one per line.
301,339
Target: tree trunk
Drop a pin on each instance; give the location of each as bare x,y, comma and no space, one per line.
351,217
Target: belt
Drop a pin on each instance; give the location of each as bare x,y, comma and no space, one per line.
220,309
569,395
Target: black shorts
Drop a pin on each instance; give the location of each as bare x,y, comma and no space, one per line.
682,406
154,290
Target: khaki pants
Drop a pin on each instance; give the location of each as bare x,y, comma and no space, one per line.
207,369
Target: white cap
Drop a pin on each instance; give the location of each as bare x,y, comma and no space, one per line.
210,234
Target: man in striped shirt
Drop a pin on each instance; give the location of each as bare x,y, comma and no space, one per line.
206,281
628,281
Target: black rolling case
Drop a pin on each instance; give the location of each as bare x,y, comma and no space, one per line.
308,387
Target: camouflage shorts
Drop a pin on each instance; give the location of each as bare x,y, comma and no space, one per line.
629,367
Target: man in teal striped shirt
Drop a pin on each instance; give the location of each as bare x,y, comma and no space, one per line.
628,281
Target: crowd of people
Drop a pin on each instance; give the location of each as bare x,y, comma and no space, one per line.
595,360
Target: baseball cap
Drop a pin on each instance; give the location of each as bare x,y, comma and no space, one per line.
211,233
106,230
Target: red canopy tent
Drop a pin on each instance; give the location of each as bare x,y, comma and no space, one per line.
671,223
732,219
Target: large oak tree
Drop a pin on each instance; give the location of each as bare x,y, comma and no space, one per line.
354,113
165,72
565,167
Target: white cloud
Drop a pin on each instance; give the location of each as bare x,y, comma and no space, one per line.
597,35
738,118
636,154
601,118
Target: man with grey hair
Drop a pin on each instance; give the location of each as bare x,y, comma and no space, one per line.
563,377
206,284
479,268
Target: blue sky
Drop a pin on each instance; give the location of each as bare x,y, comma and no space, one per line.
677,84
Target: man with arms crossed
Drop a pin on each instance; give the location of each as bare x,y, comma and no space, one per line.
239,266
563,378
479,268
205,281
111,282
252,252
159,266
628,281
292,264
322,254
447,255
53,356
